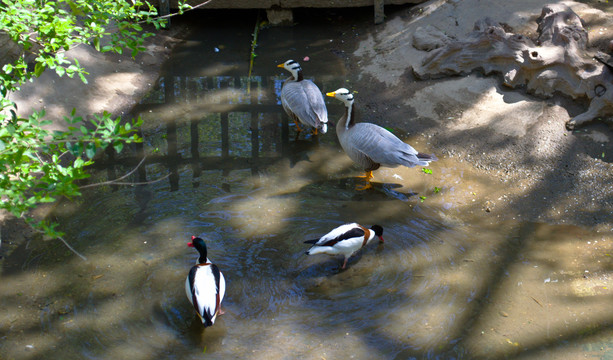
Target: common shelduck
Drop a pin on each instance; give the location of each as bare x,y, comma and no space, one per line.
346,240
302,100
205,285
370,145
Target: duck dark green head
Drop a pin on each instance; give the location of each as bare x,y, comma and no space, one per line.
199,244
378,231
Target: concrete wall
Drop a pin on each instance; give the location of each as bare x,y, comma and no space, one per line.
288,4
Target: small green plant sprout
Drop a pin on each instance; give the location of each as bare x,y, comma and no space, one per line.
422,198
426,171
437,189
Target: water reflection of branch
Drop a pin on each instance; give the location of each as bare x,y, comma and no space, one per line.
71,248
117,181
62,239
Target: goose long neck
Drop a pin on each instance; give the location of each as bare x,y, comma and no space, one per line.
346,121
349,116
298,75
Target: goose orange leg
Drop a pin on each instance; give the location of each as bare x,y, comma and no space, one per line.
298,129
367,176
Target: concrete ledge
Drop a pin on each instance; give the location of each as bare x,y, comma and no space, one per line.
288,4
279,12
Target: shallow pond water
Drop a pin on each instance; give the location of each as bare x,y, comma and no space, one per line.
446,283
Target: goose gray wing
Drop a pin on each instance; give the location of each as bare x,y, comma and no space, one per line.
369,144
305,101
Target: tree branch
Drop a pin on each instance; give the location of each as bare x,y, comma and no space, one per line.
117,181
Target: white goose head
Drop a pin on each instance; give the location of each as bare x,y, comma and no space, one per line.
346,97
293,67
343,95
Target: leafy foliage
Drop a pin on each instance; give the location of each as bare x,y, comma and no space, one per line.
44,30
40,165
37,168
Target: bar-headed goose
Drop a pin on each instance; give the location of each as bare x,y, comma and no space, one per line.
302,100
370,145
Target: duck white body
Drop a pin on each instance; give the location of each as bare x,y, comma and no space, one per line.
345,240
205,286
302,100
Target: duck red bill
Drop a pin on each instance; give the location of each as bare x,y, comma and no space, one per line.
190,244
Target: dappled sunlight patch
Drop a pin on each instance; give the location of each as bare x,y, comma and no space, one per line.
263,216
424,325
476,102
535,301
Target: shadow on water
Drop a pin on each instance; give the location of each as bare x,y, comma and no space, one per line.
240,178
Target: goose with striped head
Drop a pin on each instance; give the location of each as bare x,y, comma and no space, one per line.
302,100
345,240
205,285
371,146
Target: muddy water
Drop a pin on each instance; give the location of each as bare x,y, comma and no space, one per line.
449,282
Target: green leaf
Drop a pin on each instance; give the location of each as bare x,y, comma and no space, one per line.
118,146
78,163
90,150
38,69
2,145
82,77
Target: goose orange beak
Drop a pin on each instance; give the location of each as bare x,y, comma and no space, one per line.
280,65
331,94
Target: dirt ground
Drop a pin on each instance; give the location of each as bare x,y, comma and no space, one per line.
546,173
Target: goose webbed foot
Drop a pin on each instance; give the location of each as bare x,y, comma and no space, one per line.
366,186
368,175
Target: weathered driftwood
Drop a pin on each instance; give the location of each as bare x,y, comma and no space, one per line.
558,62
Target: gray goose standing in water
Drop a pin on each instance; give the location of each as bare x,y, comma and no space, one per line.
302,100
372,146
